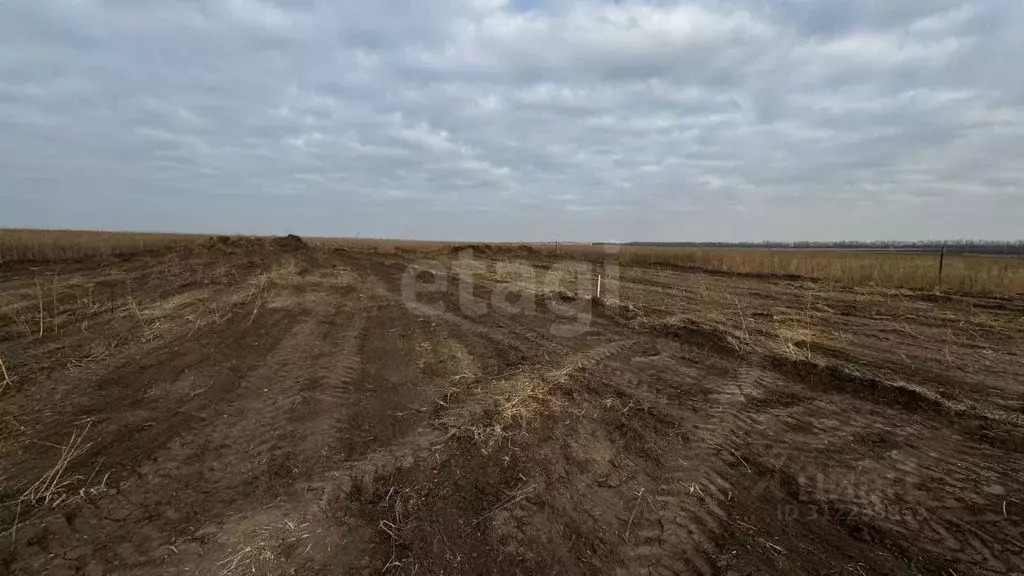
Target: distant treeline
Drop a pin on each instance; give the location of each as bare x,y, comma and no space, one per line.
952,246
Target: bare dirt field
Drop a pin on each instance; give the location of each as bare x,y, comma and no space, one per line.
263,407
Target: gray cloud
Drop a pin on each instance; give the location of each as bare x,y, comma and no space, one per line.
488,119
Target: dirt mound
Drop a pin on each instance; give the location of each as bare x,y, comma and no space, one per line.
232,244
237,244
706,337
290,243
481,249
519,250
526,250
216,241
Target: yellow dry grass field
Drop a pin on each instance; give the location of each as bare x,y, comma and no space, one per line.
56,245
963,274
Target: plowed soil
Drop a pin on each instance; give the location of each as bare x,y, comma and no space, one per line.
271,408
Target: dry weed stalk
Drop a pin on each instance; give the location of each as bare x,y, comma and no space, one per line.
632,516
54,292
703,288
7,378
743,318
39,290
138,314
234,560
52,489
392,528
206,314
256,308
520,492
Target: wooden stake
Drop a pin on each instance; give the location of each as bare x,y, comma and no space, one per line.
942,258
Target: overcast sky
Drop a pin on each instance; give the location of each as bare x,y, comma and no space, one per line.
521,119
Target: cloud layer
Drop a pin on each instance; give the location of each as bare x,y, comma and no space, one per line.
523,119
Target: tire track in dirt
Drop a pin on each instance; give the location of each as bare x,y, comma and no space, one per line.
290,432
127,392
948,482
691,504
343,377
686,509
246,442
294,530
678,516
878,489
945,475
694,496
370,434
690,498
249,442
321,398
392,383
386,479
751,413
361,473
144,441
127,404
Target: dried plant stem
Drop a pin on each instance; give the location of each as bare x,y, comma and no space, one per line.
39,290
7,378
55,319
51,489
635,508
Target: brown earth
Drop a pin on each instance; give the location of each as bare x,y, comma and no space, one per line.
270,408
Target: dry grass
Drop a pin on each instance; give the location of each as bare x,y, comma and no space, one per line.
57,245
525,394
256,540
520,400
965,274
55,486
